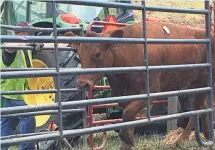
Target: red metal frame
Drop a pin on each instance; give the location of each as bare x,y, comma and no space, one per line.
92,123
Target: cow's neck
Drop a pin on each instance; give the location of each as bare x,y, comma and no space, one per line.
119,59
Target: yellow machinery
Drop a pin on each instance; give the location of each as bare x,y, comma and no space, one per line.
40,83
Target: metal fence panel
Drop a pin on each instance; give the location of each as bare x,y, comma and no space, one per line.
33,110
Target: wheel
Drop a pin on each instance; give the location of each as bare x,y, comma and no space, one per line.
67,59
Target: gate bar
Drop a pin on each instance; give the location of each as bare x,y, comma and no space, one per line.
131,6
63,39
210,84
197,132
58,96
209,60
39,91
81,103
91,70
47,112
91,130
146,61
31,48
36,29
77,71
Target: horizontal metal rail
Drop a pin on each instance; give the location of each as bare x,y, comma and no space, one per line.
39,91
42,113
66,39
27,134
83,103
36,29
77,71
176,10
31,48
97,3
91,130
131,6
152,68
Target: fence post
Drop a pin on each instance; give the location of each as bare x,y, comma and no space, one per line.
172,109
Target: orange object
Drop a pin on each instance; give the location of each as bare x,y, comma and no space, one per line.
52,127
70,18
112,19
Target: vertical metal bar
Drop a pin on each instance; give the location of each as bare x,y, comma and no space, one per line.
213,8
58,96
209,60
197,131
84,123
28,11
6,17
146,60
90,119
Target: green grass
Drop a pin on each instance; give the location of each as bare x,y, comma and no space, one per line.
142,143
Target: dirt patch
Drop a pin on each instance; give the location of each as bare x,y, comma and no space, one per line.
193,20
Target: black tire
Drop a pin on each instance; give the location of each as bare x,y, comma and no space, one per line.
67,59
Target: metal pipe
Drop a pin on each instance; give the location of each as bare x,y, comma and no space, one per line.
77,71
47,112
146,61
176,10
31,48
113,69
97,3
28,11
209,60
66,39
39,91
91,130
27,134
131,6
81,103
58,96
197,132
84,115
90,119
37,29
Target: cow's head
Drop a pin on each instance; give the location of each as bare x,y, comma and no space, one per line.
94,55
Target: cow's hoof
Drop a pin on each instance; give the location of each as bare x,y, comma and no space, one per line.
125,147
127,137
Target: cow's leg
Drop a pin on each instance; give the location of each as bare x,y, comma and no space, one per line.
197,103
205,120
129,114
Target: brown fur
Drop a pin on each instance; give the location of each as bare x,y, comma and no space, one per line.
128,55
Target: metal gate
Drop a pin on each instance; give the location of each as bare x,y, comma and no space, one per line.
72,106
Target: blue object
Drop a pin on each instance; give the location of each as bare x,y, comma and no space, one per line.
8,125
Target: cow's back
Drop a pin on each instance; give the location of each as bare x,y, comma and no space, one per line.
164,54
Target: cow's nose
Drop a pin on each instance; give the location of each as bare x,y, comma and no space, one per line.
82,85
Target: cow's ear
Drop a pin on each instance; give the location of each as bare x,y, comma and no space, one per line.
115,34
74,46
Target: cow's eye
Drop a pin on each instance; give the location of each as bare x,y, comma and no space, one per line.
98,55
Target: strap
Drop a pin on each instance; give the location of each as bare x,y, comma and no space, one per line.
19,59
27,59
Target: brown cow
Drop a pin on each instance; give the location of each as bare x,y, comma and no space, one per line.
97,55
